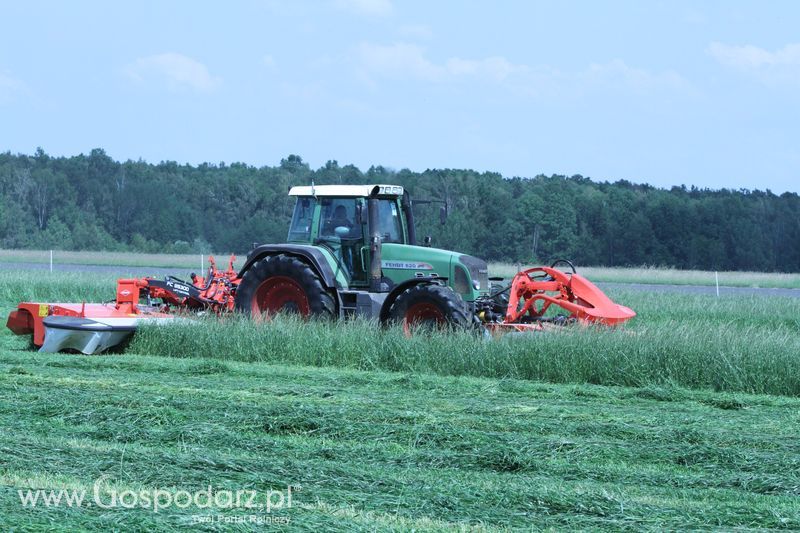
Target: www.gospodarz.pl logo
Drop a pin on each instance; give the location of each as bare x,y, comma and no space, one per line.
109,497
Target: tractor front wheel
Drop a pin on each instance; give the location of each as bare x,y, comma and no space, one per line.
429,306
283,284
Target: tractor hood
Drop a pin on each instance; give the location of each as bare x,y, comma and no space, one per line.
467,275
417,258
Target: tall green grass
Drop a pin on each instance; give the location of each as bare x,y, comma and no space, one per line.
749,344
21,286
744,344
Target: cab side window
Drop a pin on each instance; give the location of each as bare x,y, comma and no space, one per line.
389,221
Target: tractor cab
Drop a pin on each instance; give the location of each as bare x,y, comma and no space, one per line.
352,250
348,219
337,217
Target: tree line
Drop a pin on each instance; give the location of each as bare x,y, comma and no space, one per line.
92,202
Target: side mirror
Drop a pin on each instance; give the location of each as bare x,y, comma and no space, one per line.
443,214
427,241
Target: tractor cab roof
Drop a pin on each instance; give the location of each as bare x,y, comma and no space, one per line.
356,191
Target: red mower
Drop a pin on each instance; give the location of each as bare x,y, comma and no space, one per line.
95,327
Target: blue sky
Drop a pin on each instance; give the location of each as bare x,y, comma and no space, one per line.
696,93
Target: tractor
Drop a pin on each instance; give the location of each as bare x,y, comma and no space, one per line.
352,251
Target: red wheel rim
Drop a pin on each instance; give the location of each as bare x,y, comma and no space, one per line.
280,294
422,313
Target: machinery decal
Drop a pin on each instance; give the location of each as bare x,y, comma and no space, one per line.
406,265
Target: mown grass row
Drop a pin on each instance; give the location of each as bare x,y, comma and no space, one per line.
388,451
744,344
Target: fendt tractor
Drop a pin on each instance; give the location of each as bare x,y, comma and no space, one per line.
351,251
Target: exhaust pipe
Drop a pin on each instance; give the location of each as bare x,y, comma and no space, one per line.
375,273
408,210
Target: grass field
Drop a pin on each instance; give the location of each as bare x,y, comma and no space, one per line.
655,426
656,275
672,276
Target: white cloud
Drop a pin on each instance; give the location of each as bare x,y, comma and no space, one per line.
400,60
771,67
409,61
379,8
403,60
177,71
494,68
618,73
415,31
268,61
9,87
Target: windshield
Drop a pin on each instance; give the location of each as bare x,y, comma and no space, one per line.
338,219
300,229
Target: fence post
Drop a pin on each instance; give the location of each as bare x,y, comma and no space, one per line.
716,277
51,260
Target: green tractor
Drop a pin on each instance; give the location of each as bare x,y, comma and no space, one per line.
352,252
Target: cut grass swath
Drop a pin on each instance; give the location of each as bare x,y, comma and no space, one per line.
374,450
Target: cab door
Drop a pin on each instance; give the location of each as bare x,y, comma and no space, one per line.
359,247
343,232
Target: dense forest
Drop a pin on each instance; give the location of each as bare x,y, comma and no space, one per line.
91,202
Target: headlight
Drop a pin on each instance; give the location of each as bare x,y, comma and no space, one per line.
476,284
461,281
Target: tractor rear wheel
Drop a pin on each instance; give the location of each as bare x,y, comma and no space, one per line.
283,284
429,306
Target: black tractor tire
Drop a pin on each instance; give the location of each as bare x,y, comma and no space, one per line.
429,305
283,283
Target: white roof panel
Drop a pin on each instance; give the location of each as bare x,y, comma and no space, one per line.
345,190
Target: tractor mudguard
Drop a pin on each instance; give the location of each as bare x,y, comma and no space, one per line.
399,288
310,254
